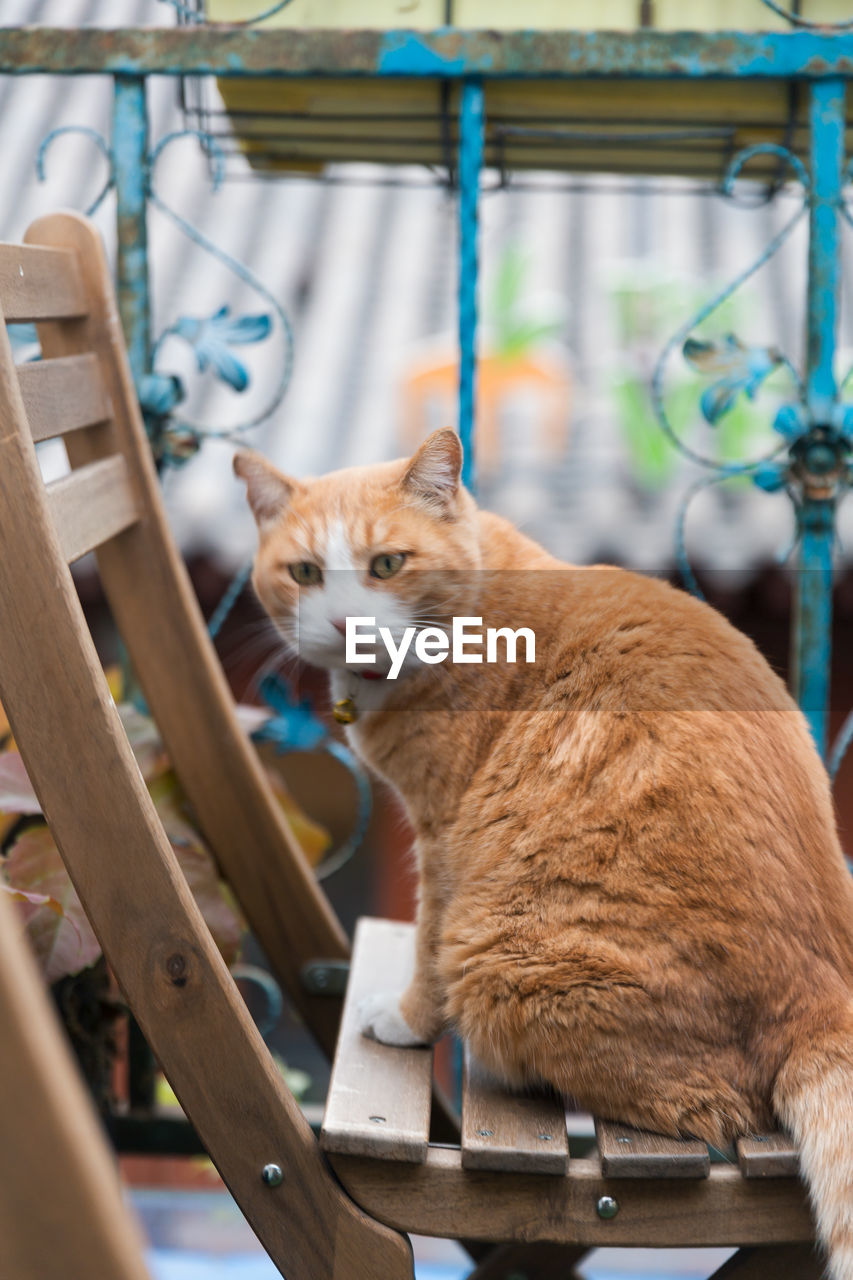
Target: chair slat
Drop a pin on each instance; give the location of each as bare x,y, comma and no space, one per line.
63,395
379,1097
145,581
634,1153
769,1155
40,284
61,1212
440,1198
502,1131
91,505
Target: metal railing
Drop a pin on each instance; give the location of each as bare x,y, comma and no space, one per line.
816,429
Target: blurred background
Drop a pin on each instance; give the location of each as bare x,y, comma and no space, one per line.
586,277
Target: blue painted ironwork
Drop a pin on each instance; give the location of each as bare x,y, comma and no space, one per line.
840,746
198,15
817,453
265,982
827,102
230,596
797,20
102,145
739,370
446,53
700,353
211,337
816,431
812,460
130,175
23,335
471,133
812,629
295,727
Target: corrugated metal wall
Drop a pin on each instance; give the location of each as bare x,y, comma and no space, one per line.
366,270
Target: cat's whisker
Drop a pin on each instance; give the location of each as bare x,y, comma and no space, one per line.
280,663
250,650
269,653
229,645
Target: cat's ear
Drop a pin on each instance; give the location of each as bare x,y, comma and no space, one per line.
433,473
268,491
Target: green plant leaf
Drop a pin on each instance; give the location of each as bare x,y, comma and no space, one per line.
509,279
651,456
524,335
58,927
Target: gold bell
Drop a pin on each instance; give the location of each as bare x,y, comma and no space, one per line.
344,711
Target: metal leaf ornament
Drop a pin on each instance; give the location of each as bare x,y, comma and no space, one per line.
159,393
293,727
212,338
772,476
743,369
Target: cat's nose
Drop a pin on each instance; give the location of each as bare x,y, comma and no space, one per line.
340,624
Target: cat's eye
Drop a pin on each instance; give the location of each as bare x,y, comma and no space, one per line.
305,573
387,564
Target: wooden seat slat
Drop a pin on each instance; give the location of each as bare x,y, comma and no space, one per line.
439,1197
40,284
510,1132
379,1096
91,505
634,1153
63,395
768,1155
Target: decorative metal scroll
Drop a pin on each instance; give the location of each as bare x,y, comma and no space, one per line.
197,14
735,368
796,19
214,338
101,144
294,727
811,460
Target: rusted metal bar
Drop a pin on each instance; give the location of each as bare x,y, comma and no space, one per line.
471,131
818,454
130,175
437,54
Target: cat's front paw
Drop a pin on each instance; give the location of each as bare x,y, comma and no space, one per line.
380,1019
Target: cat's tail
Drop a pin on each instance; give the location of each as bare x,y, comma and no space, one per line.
813,1099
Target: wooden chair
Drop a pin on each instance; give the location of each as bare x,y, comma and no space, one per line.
61,1212
337,1212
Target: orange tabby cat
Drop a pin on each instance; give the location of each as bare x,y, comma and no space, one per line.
631,886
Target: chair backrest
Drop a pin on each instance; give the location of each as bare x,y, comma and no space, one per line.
61,1212
85,774
111,503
